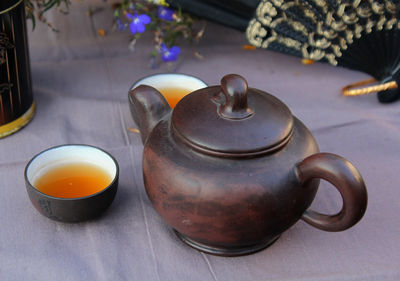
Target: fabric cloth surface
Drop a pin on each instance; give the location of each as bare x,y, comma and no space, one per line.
80,85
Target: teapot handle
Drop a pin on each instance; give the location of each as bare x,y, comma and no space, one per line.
346,178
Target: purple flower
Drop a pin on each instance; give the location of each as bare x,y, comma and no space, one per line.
169,54
165,13
138,22
120,25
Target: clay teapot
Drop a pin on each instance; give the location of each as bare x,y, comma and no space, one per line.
230,168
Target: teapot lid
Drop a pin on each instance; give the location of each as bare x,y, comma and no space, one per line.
232,120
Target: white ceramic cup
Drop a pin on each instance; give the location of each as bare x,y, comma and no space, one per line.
168,81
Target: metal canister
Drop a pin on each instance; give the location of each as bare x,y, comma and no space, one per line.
17,106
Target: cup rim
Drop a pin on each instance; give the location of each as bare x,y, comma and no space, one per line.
166,73
115,178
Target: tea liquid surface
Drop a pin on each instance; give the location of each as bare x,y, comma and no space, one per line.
173,95
73,180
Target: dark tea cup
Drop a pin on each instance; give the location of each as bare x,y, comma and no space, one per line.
72,183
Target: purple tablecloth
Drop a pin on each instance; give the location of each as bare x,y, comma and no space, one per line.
80,83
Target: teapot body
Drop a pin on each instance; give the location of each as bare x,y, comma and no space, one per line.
230,168
227,206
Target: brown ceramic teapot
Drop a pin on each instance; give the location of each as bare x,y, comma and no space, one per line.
230,168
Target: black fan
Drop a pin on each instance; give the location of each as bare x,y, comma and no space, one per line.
232,13
361,35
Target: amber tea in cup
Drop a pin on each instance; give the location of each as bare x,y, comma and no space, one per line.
72,182
174,95
173,86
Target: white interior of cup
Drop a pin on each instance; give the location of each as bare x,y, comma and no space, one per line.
69,154
172,80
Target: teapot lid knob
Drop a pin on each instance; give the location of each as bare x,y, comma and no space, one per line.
234,88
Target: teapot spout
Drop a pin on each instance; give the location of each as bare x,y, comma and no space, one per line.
148,107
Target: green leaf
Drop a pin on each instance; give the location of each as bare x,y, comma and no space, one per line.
51,3
33,19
